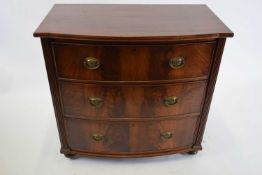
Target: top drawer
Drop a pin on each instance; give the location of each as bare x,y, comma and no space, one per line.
132,62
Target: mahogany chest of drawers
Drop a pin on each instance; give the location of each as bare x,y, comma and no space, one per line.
131,80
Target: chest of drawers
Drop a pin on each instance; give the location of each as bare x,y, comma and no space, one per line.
131,80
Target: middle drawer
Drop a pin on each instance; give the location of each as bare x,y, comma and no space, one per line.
129,101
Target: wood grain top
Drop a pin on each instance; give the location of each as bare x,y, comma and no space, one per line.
132,22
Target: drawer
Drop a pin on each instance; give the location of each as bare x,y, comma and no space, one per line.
128,101
133,62
130,137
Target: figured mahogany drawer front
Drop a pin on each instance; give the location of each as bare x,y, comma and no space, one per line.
121,101
130,137
132,62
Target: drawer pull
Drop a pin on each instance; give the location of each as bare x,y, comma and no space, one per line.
170,100
91,63
177,62
96,101
98,137
166,135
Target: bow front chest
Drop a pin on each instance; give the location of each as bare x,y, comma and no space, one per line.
131,80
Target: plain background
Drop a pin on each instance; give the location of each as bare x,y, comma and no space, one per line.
29,143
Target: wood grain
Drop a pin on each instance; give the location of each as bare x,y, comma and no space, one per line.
130,137
134,44
132,22
54,88
131,101
210,90
133,62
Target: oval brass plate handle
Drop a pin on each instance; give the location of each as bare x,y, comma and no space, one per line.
96,101
170,100
177,62
91,63
166,135
98,137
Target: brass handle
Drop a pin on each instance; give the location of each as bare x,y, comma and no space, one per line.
170,100
96,101
177,62
166,135
98,137
91,63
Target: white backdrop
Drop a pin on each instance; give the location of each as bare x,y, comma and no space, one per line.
29,143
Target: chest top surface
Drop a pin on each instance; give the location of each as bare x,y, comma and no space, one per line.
132,22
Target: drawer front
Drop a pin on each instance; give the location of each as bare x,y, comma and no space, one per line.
127,101
132,62
130,137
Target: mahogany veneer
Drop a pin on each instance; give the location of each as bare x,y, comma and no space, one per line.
130,137
129,101
131,80
118,62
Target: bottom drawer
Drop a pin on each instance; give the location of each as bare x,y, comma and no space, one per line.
130,137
